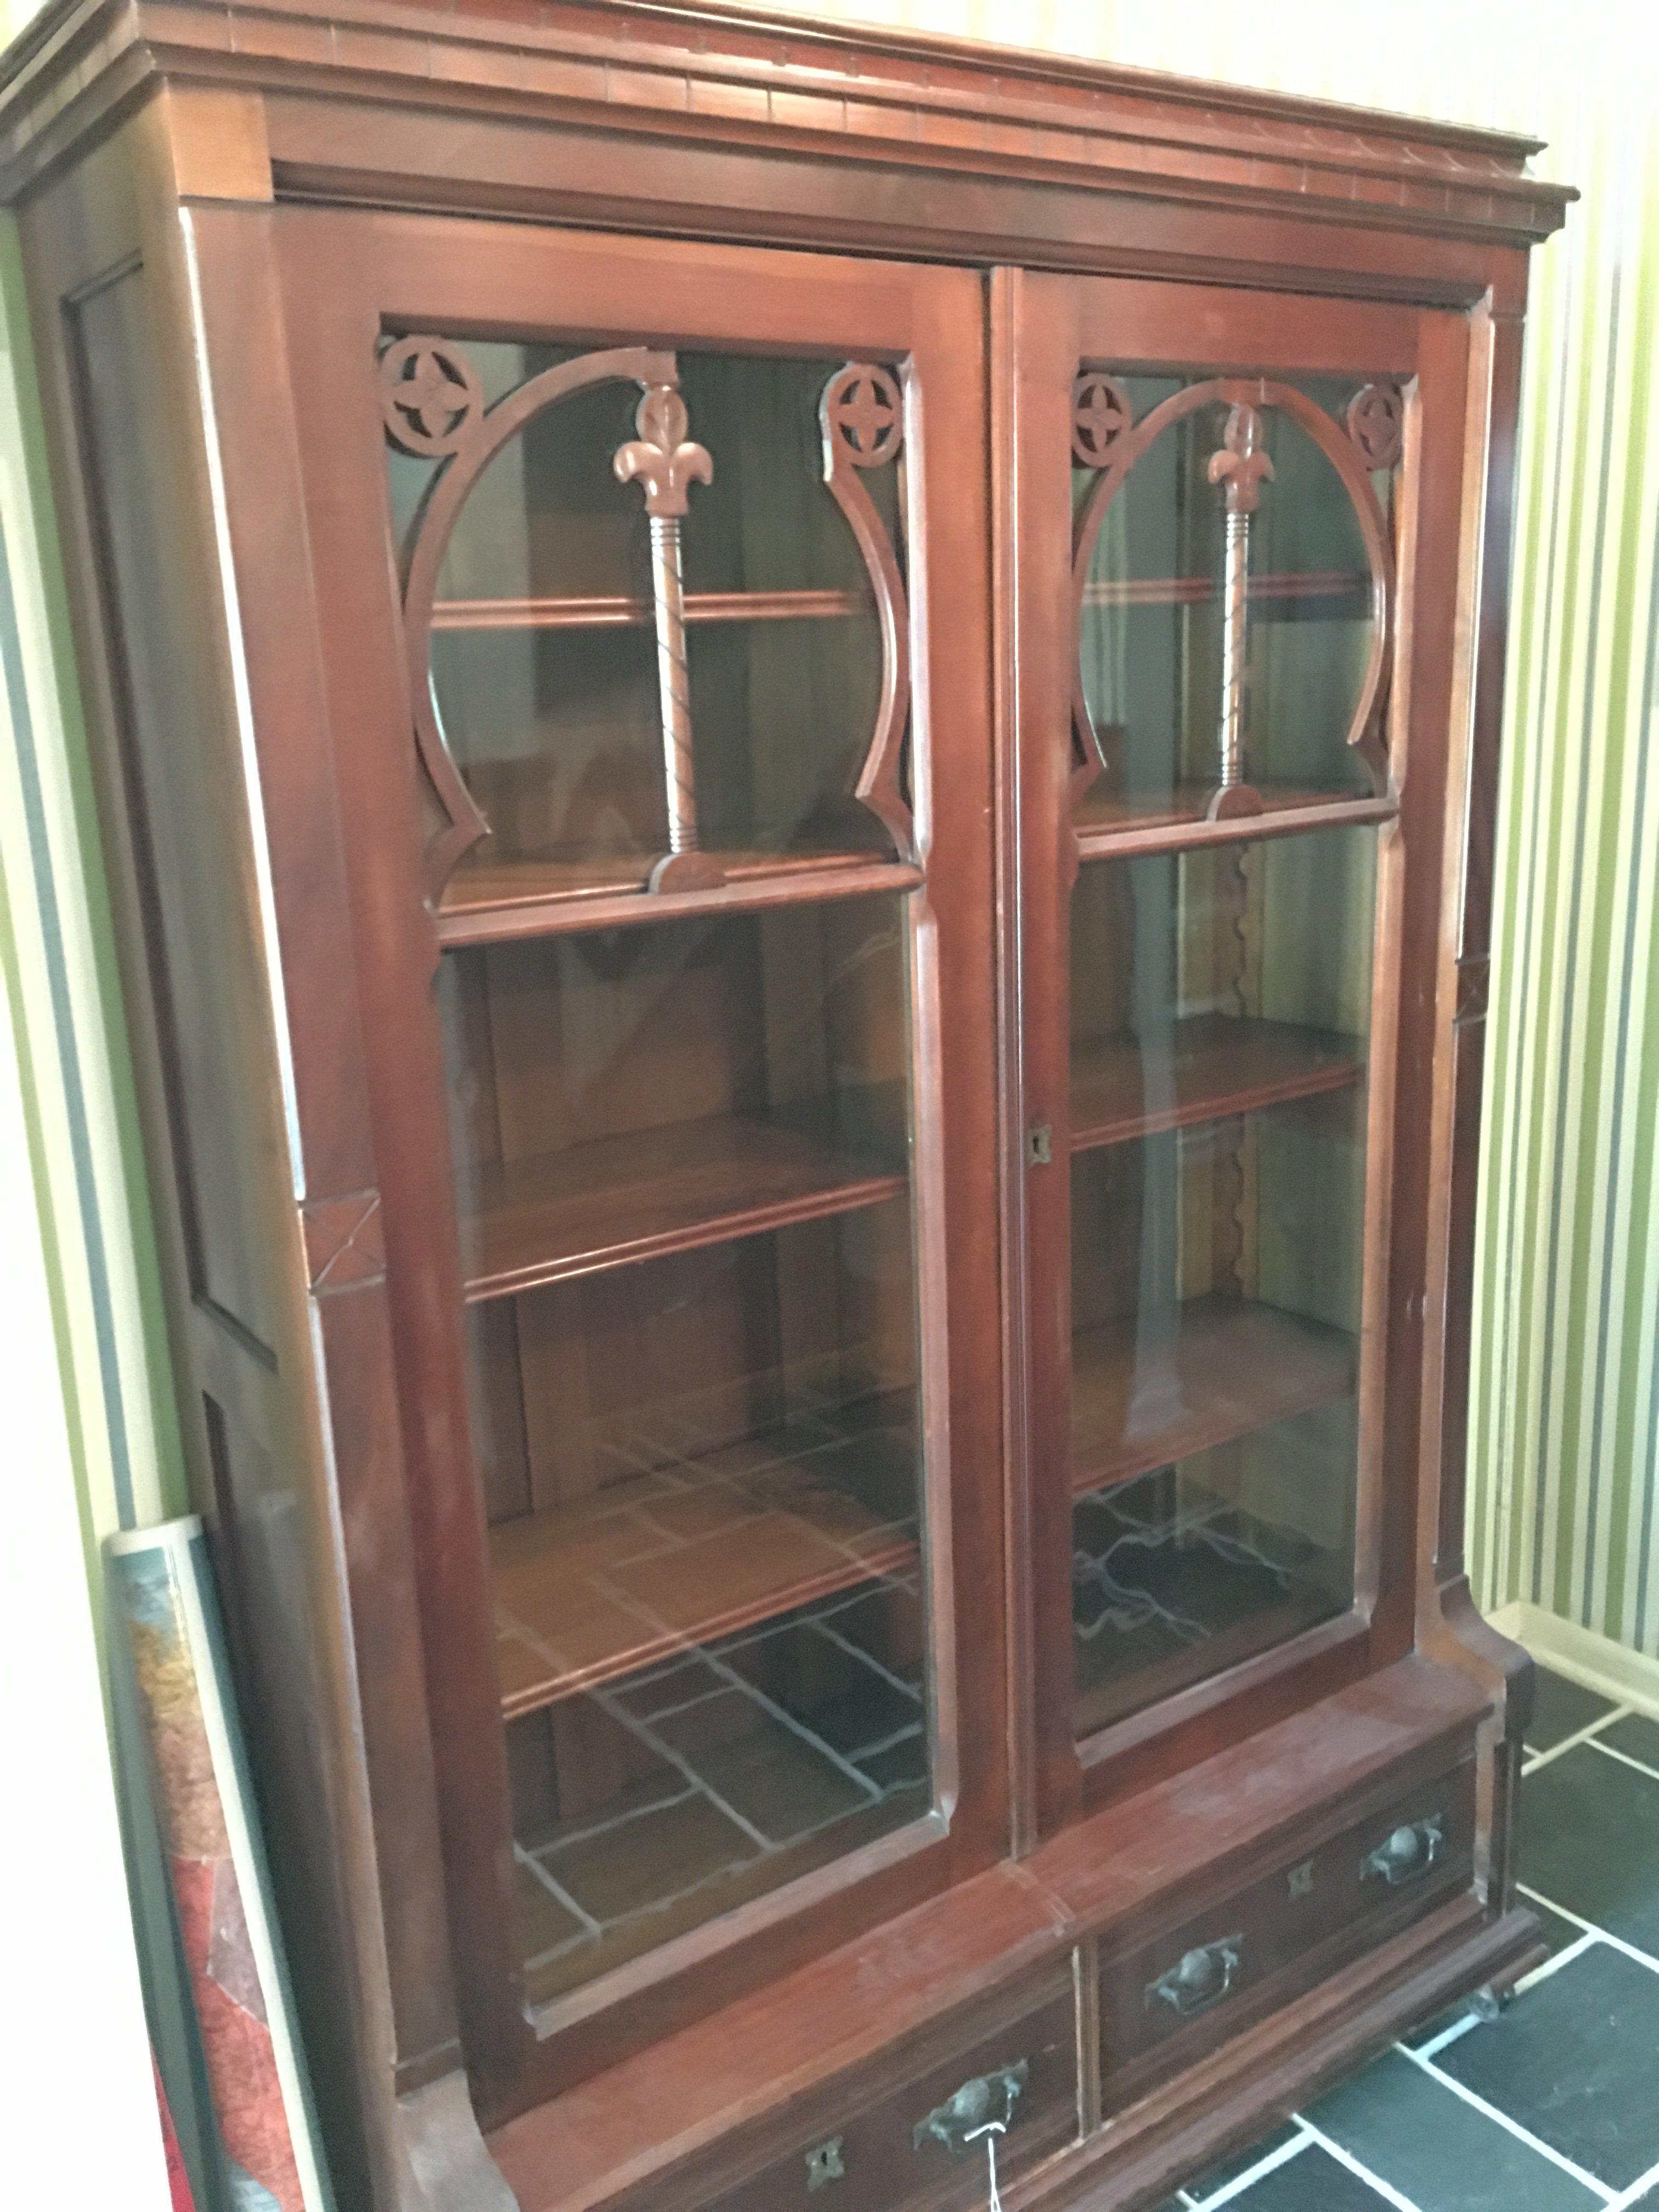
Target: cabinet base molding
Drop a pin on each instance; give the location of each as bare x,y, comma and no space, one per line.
1217,1946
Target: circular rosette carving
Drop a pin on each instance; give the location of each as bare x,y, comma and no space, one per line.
863,410
1377,424
861,415
430,396
1100,415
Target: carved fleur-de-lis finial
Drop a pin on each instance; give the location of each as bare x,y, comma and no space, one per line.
1241,465
664,461
666,464
1239,468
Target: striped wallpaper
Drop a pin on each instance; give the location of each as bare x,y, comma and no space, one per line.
1565,1433
1564,1468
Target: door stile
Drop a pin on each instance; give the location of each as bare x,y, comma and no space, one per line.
953,1044
1434,805
332,349
1034,340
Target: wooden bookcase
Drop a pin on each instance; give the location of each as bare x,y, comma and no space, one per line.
797,738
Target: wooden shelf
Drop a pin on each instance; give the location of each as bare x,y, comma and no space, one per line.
1109,829
1292,587
487,902
1155,1387
618,611
639,1195
588,1592
1213,1066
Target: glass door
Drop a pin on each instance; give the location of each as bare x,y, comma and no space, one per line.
704,849
1208,791
648,666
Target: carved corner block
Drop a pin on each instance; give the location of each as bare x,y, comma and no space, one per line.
346,1247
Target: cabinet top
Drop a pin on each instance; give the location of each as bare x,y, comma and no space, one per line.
944,107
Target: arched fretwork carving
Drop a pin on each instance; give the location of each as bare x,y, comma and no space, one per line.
431,399
1244,398
476,443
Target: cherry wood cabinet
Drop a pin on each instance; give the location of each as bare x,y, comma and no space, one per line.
796,736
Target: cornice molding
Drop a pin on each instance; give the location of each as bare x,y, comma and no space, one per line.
736,76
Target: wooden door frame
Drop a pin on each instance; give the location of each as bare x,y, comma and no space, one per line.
1044,328
349,276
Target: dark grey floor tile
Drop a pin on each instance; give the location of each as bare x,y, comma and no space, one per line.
1574,2061
1438,2022
1563,1708
1589,1841
1431,2029
1218,2177
1423,2140
1636,1737
1558,1931
1312,2181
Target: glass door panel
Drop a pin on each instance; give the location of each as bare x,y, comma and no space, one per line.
1220,1016
683,1159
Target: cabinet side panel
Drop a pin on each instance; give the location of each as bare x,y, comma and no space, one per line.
175,830
206,1021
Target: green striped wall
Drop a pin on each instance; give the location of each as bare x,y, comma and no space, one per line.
1565,1434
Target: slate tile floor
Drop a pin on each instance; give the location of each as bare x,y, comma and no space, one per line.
1553,2106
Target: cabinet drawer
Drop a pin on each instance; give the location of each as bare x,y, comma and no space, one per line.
1164,1998
880,2154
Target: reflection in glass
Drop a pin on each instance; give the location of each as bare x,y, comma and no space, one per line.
682,1154
1182,1572
644,1808
1220,1006
1152,634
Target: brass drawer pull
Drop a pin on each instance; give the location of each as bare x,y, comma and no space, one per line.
986,2102
1409,1852
825,2164
1199,1978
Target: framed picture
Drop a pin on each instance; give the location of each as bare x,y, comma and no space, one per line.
163,1599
